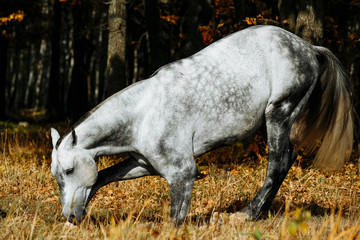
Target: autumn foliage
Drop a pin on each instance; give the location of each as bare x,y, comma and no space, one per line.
14,17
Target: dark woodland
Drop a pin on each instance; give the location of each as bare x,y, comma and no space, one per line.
60,58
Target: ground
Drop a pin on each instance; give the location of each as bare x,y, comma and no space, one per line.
310,204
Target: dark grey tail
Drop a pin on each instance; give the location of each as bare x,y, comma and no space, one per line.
326,122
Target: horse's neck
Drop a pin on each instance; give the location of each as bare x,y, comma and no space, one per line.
108,129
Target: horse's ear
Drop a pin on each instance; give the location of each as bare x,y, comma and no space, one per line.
74,137
55,136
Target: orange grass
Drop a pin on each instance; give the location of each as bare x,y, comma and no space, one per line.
310,204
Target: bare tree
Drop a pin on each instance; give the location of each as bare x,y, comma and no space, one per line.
310,20
305,17
117,77
157,53
77,103
191,26
3,59
54,105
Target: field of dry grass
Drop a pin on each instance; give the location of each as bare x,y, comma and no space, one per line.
310,204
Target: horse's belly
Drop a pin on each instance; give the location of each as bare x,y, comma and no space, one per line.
226,129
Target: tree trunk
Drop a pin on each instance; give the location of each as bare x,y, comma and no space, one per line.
309,21
77,99
305,18
67,34
288,11
241,9
54,106
116,59
190,28
103,57
3,66
158,56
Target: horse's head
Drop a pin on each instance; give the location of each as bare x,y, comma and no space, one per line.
75,171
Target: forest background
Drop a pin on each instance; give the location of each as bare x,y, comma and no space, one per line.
60,58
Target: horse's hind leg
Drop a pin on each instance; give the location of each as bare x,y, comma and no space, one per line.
281,157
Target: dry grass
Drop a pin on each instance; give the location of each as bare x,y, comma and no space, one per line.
309,205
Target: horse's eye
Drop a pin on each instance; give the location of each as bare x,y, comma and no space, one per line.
69,171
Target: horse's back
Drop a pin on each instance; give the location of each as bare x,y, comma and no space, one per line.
220,94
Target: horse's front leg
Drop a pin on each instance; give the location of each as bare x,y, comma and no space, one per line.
181,175
180,194
130,168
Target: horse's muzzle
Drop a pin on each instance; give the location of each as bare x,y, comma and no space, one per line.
76,215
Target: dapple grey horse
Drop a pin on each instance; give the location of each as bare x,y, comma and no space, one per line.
220,95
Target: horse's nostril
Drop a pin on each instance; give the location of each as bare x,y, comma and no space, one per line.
72,219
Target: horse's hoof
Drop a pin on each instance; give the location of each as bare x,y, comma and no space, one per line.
217,218
224,218
238,217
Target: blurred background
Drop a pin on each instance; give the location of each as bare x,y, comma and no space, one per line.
60,58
